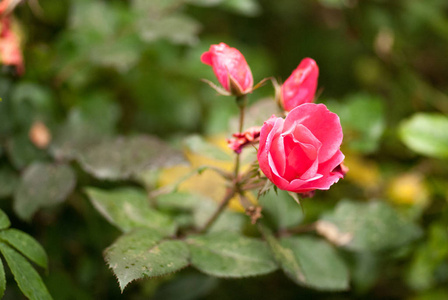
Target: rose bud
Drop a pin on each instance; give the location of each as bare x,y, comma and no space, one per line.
301,86
301,152
230,68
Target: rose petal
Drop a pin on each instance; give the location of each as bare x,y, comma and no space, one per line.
265,142
206,58
323,183
332,163
300,166
324,125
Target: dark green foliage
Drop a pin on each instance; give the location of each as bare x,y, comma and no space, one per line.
117,84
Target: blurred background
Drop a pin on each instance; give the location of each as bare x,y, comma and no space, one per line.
93,69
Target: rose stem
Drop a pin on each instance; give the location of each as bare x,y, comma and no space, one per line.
241,102
229,194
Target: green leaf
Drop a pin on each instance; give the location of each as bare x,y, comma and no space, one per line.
7,123
28,280
156,7
124,157
2,280
280,210
39,98
227,220
87,124
195,210
179,201
8,182
144,253
198,145
245,7
4,220
321,265
365,269
426,134
284,256
112,36
22,152
128,208
178,28
180,287
180,206
430,255
334,3
362,119
309,262
227,254
26,244
123,55
42,185
204,2
157,20
372,226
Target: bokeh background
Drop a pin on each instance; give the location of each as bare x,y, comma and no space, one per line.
95,68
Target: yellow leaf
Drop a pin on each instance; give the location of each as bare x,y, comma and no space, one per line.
208,183
408,188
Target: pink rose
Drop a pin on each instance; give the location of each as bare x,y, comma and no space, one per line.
301,86
230,68
301,152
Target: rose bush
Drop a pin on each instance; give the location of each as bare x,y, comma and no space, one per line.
301,152
301,86
230,67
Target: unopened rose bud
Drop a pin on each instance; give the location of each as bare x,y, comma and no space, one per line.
231,69
39,135
301,86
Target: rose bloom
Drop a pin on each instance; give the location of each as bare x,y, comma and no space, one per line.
301,152
230,68
301,86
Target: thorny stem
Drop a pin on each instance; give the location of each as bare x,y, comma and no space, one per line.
241,102
236,185
229,195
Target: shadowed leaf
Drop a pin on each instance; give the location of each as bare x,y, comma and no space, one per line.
42,185
372,226
128,208
124,157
